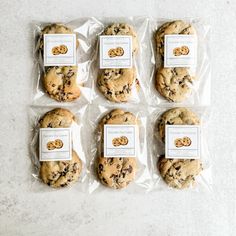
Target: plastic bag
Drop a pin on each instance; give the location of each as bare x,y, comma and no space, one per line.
122,85
190,82
55,170
130,174
179,173
64,83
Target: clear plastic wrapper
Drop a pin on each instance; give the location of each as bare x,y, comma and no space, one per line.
86,30
59,173
137,26
142,178
202,180
191,84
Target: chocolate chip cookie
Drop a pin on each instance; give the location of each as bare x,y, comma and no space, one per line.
174,27
59,173
123,29
60,82
179,173
117,84
174,84
116,172
176,116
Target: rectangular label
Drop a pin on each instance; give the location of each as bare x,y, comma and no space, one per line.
180,50
120,140
55,144
115,51
59,50
182,141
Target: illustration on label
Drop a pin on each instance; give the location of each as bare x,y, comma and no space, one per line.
57,144
183,142
57,50
120,141
181,51
123,140
116,52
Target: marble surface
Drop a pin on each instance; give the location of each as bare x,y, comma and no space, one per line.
26,211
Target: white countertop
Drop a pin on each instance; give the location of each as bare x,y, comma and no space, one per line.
26,211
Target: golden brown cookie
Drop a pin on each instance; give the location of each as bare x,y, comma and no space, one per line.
179,173
58,143
178,142
186,141
60,82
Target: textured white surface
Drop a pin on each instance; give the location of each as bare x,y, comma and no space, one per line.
26,211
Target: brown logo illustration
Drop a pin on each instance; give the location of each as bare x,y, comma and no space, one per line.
184,50
183,142
123,140
57,144
116,52
62,49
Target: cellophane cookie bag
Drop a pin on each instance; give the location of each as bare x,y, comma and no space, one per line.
63,55
119,70
181,69
180,158
57,146
119,160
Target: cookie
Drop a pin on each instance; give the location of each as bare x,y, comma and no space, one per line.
119,51
123,29
177,51
179,173
186,141
58,143
50,145
174,27
61,173
55,51
115,142
176,116
57,118
184,50
112,52
178,142
60,82
55,29
123,140
174,84
63,49
116,172
117,84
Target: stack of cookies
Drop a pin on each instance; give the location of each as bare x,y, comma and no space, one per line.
173,83
117,84
178,173
60,82
116,172
59,173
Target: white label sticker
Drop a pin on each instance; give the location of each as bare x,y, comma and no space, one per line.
55,144
115,51
59,49
120,140
180,50
182,141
